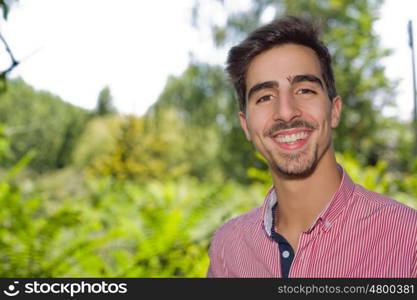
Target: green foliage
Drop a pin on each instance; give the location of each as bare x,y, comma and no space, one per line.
5,152
30,238
30,231
203,99
260,174
393,143
105,103
375,178
161,147
199,95
117,228
40,122
163,227
132,148
113,228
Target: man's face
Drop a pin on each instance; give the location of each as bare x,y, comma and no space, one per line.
288,113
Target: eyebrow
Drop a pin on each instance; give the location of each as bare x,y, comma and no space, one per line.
305,77
261,86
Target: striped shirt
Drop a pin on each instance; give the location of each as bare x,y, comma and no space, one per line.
359,234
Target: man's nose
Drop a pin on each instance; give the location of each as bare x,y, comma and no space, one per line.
286,108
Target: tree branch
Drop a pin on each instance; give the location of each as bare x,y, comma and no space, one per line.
14,61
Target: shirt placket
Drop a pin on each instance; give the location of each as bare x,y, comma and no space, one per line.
301,262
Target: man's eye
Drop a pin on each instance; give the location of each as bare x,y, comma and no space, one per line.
264,98
305,91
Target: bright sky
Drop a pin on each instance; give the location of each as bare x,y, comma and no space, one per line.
73,48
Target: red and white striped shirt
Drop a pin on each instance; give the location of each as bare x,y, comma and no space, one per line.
359,234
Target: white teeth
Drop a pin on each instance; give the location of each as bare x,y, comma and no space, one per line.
291,138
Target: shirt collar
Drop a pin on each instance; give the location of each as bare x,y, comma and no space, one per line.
270,200
328,214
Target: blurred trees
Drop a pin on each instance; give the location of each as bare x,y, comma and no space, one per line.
40,122
203,100
114,228
105,103
138,148
126,147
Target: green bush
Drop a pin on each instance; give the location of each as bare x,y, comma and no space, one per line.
117,228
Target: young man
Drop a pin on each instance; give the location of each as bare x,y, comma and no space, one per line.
315,222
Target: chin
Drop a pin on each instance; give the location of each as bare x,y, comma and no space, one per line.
296,164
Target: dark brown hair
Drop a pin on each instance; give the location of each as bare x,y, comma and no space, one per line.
286,30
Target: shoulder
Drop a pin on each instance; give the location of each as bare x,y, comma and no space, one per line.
387,209
238,224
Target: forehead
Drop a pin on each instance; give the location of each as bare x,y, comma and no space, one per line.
282,61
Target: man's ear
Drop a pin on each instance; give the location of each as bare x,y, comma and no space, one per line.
336,112
243,123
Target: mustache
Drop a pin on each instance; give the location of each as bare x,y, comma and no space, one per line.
290,125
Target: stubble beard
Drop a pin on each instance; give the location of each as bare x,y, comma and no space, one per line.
299,164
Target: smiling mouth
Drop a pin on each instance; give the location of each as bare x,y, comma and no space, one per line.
292,139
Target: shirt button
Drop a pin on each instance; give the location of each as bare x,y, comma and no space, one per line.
285,254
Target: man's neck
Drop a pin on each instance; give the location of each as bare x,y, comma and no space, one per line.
301,200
